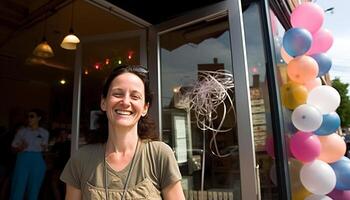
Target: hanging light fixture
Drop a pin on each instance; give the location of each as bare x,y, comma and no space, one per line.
43,49
71,41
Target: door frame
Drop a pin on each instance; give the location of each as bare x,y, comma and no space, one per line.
233,10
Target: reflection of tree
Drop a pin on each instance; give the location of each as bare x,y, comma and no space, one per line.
344,107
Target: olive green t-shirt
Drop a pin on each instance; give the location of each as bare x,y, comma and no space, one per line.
155,167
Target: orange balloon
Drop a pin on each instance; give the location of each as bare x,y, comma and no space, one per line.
302,69
333,147
285,56
293,95
312,84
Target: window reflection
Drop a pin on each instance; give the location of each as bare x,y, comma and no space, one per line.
185,52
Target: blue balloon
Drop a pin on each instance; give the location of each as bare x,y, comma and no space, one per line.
342,171
330,124
324,63
297,41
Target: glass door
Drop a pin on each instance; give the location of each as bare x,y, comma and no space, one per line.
203,101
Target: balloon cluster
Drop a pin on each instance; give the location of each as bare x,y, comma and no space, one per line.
324,171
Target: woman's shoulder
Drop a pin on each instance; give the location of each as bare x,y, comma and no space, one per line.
158,146
90,148
88,151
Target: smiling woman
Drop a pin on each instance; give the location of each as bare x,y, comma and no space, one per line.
128,163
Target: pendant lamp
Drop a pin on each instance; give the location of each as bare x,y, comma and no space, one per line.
43,49
71,41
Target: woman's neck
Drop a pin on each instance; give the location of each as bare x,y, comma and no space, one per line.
121,140
34,126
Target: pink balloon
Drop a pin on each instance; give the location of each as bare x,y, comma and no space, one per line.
313,83
285,56
307,15
322,40
340,194
269,146
305,146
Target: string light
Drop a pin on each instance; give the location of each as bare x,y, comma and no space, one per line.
99,65
107,61
130,54
62,81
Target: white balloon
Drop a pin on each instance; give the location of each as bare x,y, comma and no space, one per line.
318,197
325,98
307,118
318,177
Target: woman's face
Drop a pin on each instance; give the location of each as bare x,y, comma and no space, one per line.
125,101
33,119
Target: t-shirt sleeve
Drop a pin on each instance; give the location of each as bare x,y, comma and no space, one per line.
71,173
18,137
169,169
46,137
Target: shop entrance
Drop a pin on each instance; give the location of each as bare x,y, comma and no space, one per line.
203,108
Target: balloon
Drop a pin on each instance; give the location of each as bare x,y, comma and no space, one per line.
333,147
317,197
330,124
322,40
342,172
269,146
324,63
305,147
307,15
302,193
325,98
340,194
302,69
307,118
318,177
296,41
293,95
313,83
287,58
298,190
294,172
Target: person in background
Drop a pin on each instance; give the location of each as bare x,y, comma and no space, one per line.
127,163
61,150
30,166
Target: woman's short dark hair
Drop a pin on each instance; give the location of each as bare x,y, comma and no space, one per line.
146,126
39,113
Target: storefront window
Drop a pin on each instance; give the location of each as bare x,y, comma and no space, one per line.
261,112
297,189
184,54
98,59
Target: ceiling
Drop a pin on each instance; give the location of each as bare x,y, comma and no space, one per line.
156,12
22,25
